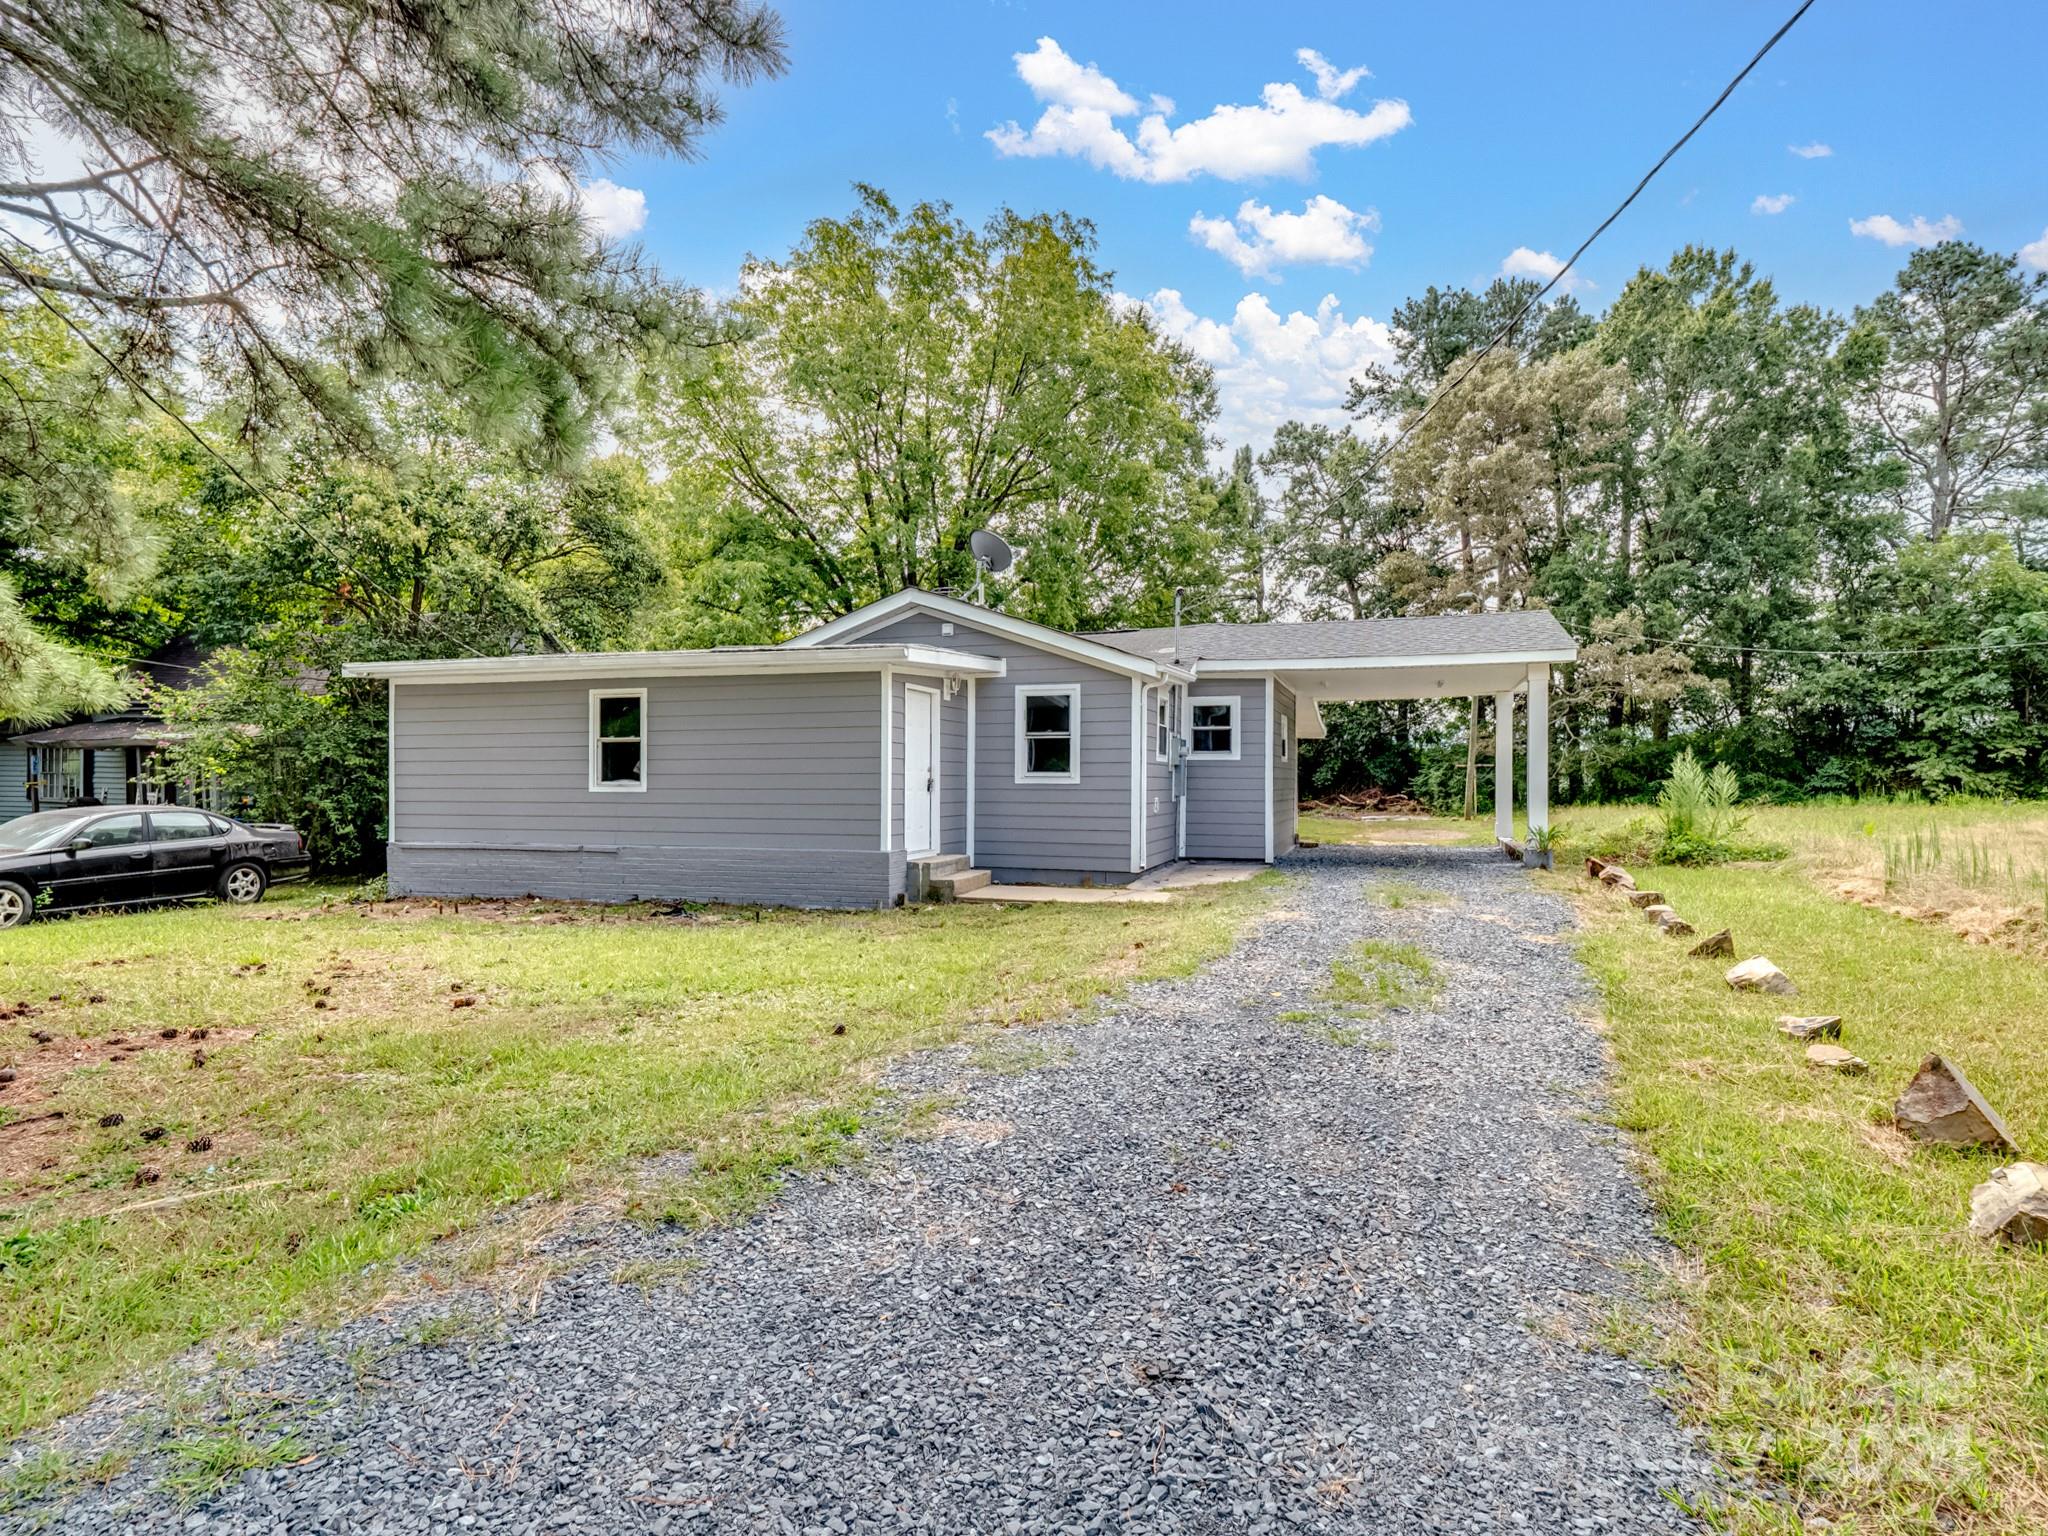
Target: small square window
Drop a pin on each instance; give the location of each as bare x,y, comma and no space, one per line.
1212,728
1047,748
618,739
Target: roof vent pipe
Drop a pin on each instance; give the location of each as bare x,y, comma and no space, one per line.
1176,623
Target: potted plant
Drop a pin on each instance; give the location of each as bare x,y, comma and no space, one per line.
1540,851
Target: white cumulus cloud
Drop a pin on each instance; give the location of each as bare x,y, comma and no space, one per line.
1258,241
611,211
1331,82
1883,226
2035,255
608,210
1523,262
1278,137
1772,202
1814,151
1053,76
1271,367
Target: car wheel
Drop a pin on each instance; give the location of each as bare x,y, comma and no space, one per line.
16,905
242,883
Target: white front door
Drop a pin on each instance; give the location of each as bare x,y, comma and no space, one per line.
920,769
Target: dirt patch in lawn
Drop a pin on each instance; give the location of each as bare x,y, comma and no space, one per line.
35,1136
1973,921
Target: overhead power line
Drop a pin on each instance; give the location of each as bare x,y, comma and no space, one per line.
1904,650
1514,322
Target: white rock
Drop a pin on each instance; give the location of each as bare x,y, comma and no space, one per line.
2012,1204
1759,975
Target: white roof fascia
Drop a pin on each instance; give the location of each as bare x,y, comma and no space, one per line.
736,662
1210,666
1043,636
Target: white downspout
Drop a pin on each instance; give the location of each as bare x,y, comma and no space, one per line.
973,764
888,753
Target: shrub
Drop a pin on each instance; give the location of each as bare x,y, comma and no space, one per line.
1700,823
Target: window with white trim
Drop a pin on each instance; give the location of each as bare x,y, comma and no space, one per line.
1212,727
1162,728
1286,737
618,738
63,776
1049,734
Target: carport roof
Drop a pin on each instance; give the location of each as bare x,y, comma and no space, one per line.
1529,636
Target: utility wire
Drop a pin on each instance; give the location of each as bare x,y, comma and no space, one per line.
1908,650
36,292
1514,322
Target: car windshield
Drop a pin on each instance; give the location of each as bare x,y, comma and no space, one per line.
38,830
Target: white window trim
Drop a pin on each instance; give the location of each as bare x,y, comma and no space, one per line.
1162,701
1072,691
598,787
1286,736
1236,707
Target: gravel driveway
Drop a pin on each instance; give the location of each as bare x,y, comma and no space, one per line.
1187,1266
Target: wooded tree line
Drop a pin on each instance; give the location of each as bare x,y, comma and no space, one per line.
348,375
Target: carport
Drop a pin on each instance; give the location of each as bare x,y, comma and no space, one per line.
1329,661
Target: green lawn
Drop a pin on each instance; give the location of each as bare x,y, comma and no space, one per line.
1346,831
1837,1331
372,1083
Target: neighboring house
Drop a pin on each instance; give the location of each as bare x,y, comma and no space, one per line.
104,757
818,772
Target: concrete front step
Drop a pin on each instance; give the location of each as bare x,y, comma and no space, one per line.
952,887
936,864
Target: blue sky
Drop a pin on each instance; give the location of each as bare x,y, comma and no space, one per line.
1481,130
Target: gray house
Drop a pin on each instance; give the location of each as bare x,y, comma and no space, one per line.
919,742
108,758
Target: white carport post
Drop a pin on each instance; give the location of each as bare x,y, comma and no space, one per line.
1539,747
1503,767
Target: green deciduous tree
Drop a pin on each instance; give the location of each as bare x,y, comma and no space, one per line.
902,380
81,470
452,549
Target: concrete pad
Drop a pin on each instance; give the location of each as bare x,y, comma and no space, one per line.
1195,872
1074,893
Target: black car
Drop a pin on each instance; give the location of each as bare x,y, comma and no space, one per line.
118,856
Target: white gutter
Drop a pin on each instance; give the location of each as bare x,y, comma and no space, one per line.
1211,666
731,661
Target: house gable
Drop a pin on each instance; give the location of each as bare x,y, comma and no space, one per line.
863,624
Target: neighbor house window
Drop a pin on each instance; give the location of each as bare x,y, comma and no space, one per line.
1048,734
63,775
618,738
1212,728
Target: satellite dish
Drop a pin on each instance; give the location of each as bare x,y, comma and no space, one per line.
991,553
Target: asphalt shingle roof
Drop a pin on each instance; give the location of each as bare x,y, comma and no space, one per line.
1448,636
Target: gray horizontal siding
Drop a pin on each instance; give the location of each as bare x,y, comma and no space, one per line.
1162,810
1226,799
745,876
758,790
14,799
1082,828
763,763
